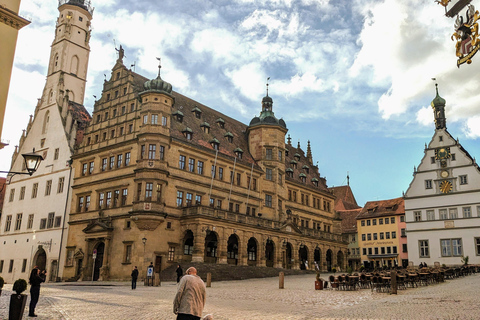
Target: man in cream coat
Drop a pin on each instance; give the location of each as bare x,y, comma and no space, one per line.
191,296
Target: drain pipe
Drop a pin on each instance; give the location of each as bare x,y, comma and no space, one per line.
63,222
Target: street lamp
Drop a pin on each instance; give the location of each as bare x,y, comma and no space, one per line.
32,162
144,240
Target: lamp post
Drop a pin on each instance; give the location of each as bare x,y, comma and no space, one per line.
32,162
144,241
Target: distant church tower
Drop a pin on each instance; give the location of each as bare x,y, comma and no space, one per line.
33,226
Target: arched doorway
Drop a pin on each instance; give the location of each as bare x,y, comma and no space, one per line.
328,258
340,262
303,256
317,254
98,261
287,262
252,251
53,270
40,260
188,246
270,253
211,243
232,249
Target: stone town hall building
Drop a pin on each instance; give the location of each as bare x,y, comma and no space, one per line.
162,178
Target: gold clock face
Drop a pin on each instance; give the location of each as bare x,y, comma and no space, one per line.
446,186
442,153
444,173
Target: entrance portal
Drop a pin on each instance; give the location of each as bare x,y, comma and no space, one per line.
98,261
269,253
40,259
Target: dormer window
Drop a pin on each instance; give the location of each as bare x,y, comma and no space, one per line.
229,137
215,143
197,112
205,127
289,172
303,177
293,163
297,157
178,115
188,133
221,123
315,182
306,168
238,152
286,152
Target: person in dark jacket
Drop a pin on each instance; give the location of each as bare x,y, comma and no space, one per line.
134,277
179,272
36,278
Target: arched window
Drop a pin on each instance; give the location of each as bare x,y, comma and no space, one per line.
74,65
46,119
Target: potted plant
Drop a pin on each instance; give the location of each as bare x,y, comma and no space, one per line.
2,282
334,270
465,260
318,281
18,300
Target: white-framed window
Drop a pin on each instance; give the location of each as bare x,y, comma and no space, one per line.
430,215
417,215
362,223
477,246
268,200
428,184
467,212
423,248
451,247
463,179
443,214
453,213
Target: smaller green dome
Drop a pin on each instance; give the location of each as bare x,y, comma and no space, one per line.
437,101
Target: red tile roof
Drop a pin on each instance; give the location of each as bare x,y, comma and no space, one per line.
345,199
383,208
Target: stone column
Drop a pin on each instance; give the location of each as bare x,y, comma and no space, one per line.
295,256
198,245
222,247
261,261
278,253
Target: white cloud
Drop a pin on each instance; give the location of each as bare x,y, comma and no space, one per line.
249,79
472,127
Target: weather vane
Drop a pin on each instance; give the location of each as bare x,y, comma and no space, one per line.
267,85
159,65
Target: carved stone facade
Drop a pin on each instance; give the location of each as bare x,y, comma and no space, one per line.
164,179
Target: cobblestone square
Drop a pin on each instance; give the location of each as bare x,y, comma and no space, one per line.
256,299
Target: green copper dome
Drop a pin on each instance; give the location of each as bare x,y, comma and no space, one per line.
438,101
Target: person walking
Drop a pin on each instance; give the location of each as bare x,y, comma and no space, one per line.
191,296
134,277
179,272
36,278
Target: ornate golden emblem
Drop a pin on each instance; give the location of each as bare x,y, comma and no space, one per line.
446,186
466,35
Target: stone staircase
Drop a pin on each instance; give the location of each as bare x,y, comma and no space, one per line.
225,272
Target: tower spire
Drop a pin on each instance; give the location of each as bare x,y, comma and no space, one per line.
438,106
267,85
159,66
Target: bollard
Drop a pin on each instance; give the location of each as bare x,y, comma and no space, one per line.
209,280
157,282
281,280
393,281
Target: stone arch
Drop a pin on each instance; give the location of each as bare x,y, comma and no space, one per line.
188,241
288,255
55,62
98,264
270,253
252,251
74,65
211,244
317,257
46,120
232,249
340,260
303,256
329,259
40,259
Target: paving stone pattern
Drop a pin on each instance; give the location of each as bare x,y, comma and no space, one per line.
257,299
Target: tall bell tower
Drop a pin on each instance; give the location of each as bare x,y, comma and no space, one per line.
67,69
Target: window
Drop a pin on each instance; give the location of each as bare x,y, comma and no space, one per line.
280,178
119,160
268,200
127,158
87,203
152,149
362,223
51,217
364,251
239,179
1,266
154,119
162,153
198,199
56,153
417,215
452,157
48,188
84,169
220,173
90,170
142,151
451,247
279,155
402,218
213,171
101,199
268,174
219,204
382,236
148,191
22,193
432,160
375,236
188,199
80,204
164,121
181,163
392,220
376,250
477,247
443,214
30,221
124,196
374,222
369,222
61,182
394,235
268,154
430,215
179,198
369,236
200,167
111,164
463,179
58,221
128,252
387,235
428,184
43,223
364,237
104,164
18,222
403,232
387,221
145,119
171,254
380,221
467,212
453,213
10,267
191,165
12,195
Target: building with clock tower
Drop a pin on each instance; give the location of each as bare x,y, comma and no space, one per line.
442,203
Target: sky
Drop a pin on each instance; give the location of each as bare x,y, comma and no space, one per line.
353,77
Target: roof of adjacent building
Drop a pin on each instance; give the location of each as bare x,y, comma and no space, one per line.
383,208
349,220
345,200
